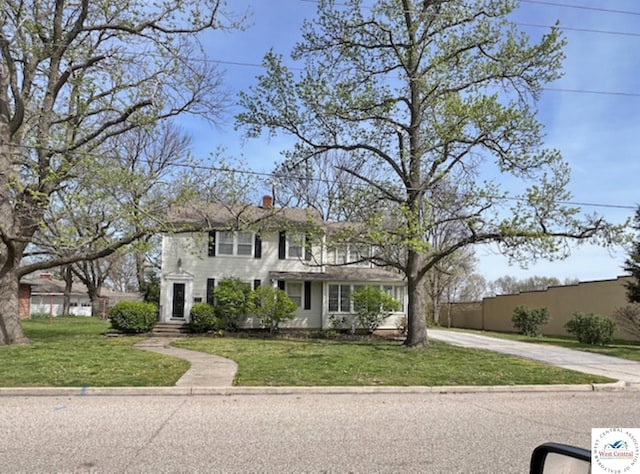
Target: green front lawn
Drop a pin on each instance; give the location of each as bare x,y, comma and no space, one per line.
72,352
308,362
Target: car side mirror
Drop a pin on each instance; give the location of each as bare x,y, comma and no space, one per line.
555,458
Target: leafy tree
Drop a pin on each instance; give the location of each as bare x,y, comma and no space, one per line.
426,93
628,318
372,306
443,276
151,288
471,287
509,285
320,183
75,76
273,306
632,264
232,302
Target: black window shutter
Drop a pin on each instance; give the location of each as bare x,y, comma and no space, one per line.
307,295
307,247
256,284
211,284
257,250
282,245
211,249
281,284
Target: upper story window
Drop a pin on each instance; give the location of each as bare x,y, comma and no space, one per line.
349,254
233,244
294,246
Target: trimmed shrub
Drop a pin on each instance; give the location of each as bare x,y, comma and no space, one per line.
232,300
372,306
591,328
272,306
133,316
203,318
528,321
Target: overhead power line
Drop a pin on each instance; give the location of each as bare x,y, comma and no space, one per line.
582,7
271,175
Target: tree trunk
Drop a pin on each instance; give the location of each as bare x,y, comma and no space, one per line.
416,317
435,297
10,327
140,268
94,296
68,282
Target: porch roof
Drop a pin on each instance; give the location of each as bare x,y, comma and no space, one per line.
342,274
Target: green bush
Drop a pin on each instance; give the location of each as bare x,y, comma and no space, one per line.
373,306
272,306
203,318
133,316
528,321
232,300
591,328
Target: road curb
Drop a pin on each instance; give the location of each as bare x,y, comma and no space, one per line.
366,390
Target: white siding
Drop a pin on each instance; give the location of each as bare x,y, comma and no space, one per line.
187,255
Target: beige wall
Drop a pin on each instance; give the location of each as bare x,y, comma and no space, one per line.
494,314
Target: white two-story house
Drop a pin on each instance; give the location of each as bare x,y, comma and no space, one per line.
290,248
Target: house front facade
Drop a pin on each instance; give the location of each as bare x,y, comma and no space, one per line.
287,248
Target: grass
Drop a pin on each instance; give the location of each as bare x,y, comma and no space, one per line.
72,352
624,349
308,362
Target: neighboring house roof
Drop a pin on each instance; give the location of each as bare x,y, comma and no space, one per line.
215,215
341,273
46,284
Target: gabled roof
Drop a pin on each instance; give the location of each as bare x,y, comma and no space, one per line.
46,284
216,215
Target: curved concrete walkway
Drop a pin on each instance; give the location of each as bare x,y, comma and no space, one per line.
206,370
627,371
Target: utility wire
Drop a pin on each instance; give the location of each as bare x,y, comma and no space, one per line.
271,175
582,7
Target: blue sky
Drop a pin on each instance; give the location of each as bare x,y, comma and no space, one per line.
597,133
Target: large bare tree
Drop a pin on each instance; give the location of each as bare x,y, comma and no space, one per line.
74,75
428,91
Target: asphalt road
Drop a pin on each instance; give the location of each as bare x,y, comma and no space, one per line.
483,432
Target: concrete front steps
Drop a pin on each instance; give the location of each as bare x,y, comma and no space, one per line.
169,330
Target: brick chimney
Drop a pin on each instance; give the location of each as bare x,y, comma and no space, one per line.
267,202
46,276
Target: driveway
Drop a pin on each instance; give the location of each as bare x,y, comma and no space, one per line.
621,369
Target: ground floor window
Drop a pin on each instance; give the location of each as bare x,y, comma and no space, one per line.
294,292
340,296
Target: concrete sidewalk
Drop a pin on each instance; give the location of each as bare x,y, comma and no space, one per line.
206,370
627,371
